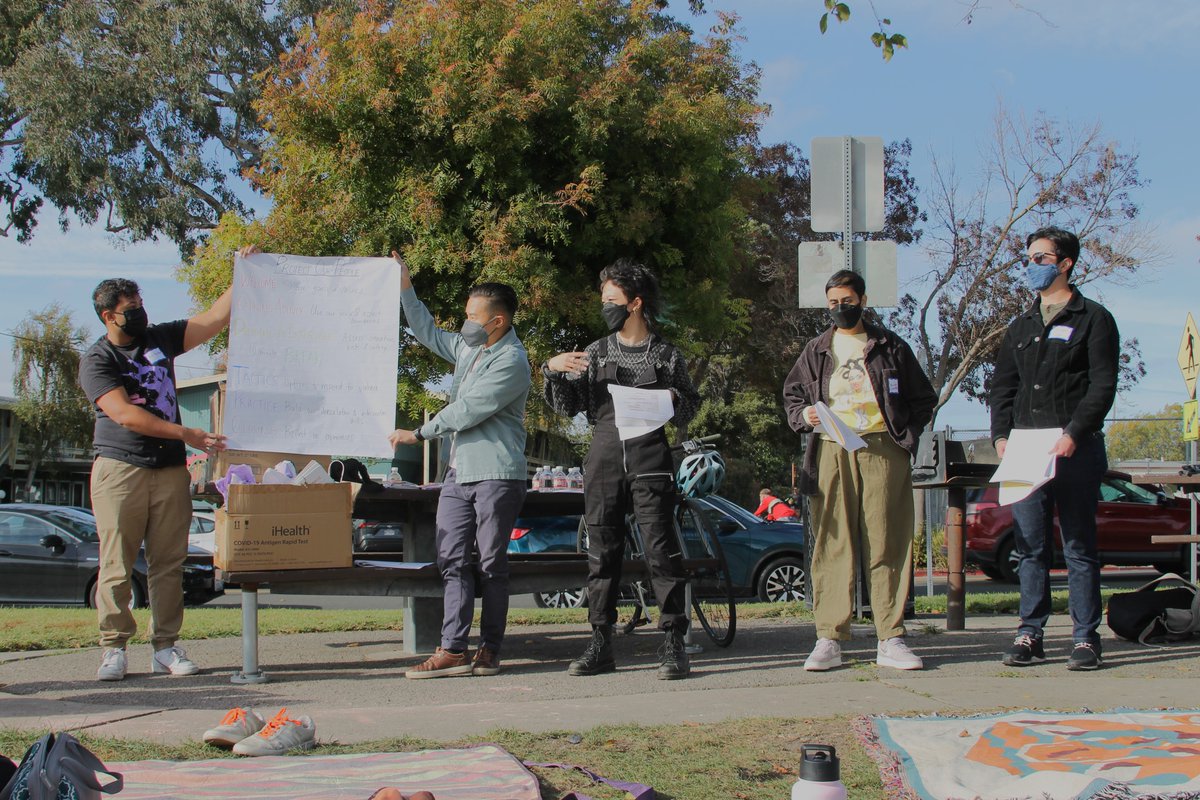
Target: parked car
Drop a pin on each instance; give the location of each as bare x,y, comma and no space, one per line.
1128,515
766,559
50,555
370,536
203,533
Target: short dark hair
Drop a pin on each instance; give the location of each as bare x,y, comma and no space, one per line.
1065,243
635,280
500,297
109,293
847,277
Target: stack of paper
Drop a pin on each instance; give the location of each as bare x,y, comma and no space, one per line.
1027,463
833,427
640,411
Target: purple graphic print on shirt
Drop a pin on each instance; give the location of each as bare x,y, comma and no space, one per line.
157,390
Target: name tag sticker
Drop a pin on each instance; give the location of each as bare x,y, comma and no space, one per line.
154,356
1061,332
893,386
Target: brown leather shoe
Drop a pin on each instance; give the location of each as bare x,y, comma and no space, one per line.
487,662
442,664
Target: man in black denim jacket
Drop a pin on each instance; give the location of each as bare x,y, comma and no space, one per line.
1057,368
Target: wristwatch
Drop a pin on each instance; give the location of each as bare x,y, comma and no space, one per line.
417,435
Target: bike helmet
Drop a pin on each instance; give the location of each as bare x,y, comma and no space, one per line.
701,474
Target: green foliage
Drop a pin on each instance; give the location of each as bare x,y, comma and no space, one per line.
128,113
53,411
886,42
1157,437
530,143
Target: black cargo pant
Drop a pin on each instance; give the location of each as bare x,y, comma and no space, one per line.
636,475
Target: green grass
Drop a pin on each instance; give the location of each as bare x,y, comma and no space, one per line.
747,758
23,629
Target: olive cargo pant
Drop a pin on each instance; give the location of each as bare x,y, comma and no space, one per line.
864,502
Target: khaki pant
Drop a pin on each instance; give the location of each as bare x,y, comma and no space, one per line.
136,506
863,502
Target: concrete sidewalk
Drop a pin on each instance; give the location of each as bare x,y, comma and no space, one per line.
353,685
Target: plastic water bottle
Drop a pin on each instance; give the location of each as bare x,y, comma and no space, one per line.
560,478
574,478
393,478
820,774
547,480
538,476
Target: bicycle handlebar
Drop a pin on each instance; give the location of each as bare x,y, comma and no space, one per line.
697,444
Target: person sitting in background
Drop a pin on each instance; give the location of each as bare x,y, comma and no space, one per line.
772,509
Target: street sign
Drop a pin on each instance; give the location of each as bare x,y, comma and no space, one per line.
862,158
875,261
1189,355
1191,421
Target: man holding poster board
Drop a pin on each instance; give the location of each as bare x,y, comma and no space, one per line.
1056,376
139,480
484,488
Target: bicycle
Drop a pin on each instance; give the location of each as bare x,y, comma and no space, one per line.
705,567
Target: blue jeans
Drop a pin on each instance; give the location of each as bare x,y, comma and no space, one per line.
1075,493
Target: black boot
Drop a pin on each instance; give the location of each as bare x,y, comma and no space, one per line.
675,662
598,657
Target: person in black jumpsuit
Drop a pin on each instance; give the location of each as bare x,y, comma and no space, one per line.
635,474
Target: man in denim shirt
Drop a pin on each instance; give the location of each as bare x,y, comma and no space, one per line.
1057,368
484,488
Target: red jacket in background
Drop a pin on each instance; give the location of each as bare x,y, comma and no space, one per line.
774,509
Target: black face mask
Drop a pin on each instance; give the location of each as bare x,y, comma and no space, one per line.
846,316
614,316
136,321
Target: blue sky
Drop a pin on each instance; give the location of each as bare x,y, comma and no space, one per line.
1110,62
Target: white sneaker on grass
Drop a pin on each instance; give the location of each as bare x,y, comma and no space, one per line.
281,735
826,655
894,653
112,665
173,660
238,724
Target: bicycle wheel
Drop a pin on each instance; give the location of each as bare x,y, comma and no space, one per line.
712,592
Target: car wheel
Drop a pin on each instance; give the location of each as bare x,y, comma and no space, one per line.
563,598
1007,560
137,597
783,580
992,571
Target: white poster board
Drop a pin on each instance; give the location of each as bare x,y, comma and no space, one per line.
313,344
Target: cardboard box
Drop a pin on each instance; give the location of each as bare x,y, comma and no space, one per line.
280,527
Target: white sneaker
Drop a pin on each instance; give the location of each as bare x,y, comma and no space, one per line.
826,655
112,665
281,735
894,653
174,661
236,725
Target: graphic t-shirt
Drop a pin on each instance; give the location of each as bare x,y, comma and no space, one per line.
146,371
851,396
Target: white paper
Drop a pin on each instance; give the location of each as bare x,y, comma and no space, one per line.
1027,463
408,565
313,344
640,411
833,427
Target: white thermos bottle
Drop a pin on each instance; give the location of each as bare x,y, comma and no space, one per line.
820,774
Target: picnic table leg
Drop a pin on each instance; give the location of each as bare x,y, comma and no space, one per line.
250,672
956,580
422,615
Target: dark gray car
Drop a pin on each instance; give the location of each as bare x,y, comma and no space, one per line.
50,555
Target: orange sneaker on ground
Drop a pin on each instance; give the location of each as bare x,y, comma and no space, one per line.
281,735
237,725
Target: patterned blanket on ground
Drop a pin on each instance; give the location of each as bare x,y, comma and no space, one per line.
478,773
1032,754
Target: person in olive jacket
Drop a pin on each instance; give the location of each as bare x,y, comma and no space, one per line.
860,500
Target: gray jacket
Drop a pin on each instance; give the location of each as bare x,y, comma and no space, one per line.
485,419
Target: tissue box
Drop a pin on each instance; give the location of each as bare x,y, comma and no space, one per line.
279,527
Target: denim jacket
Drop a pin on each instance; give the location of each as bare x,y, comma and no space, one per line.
903,392
485,418
1059,375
